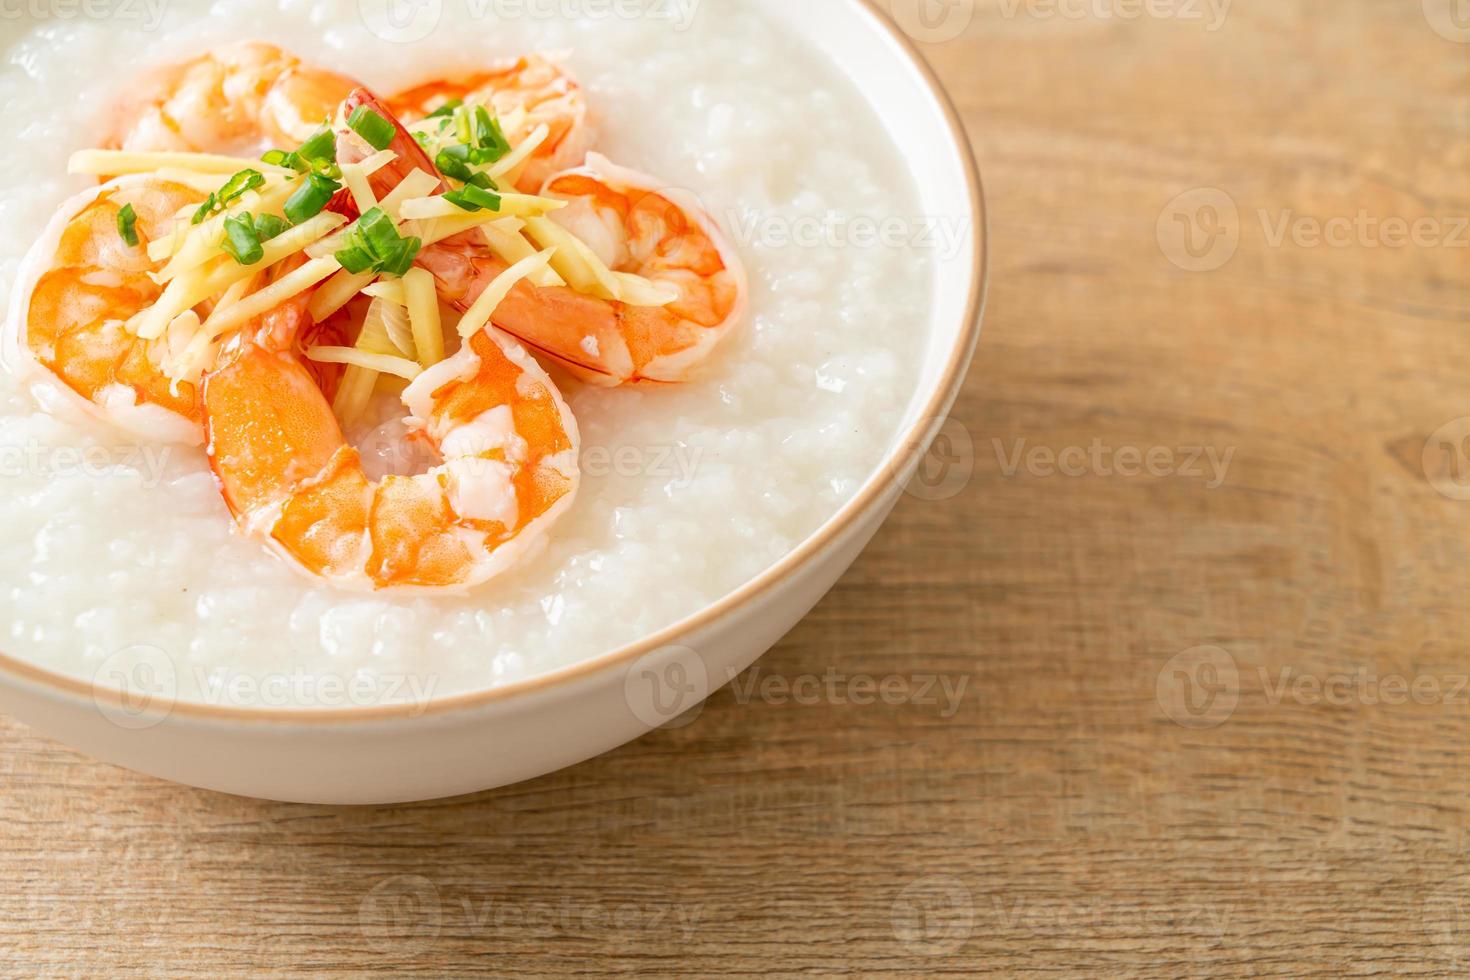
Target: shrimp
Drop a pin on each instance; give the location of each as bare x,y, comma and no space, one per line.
239,97
508,442
533,90
77,288
633,225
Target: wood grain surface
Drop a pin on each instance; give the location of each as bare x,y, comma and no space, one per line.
1200,599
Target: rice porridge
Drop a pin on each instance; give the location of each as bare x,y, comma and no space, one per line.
110,543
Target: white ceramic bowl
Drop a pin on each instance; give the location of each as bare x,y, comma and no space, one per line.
486,739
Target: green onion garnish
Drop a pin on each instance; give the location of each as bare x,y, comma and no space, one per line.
126,219
453,161
447,109
355,259
205,210
245,180
268,226
402,259
489,137
373,243
308,200
371,127
241,240
472,198
378,232
464,125
320,150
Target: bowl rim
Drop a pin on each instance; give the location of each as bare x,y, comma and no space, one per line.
872,491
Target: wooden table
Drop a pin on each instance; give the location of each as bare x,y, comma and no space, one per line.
1214,721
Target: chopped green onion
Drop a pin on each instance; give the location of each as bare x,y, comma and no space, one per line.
241,240
378,232
371,127
320,150
236,186
453,161
205,210
473,198
489,137
268,226
355,259
447,109
402,259
126,219
464,126
308,200
277,158
373,243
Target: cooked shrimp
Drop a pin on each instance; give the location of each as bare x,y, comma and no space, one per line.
77,288
633,225
533,90
507,440
238,97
